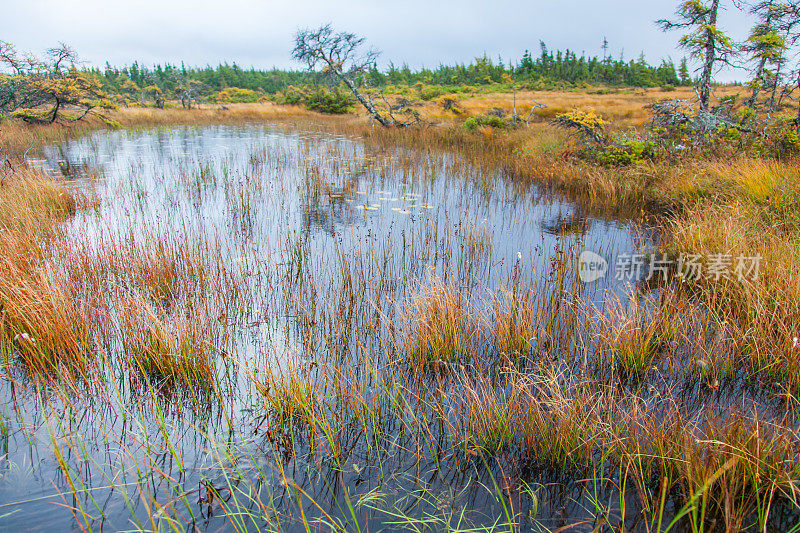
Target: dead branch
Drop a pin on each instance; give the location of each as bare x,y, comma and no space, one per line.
536,105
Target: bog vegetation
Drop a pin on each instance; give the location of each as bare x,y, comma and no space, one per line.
372,316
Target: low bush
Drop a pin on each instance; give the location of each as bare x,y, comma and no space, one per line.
473,123
291,96
625,152
332,101
785,143
235,95
429,92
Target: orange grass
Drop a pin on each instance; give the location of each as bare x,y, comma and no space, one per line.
40,320
439,328
565,416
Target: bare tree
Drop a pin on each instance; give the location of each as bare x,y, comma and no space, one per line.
59,56
703,40
341,56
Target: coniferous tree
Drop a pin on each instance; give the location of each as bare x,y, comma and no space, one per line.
683,73
704,40
766,44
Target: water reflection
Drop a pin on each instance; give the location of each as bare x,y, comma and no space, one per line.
288,210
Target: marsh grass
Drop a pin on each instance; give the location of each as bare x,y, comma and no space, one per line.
41,323
39,319
290,397
178,354
30,200
752,214
516,323
439,327
562,428
340,420
479,242
633,335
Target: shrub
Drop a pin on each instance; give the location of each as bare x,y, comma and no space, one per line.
292,96
429,92
473,123
449,104
625,152
786,143
235,95
590,126
333,101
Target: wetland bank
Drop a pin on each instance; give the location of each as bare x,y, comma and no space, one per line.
279,327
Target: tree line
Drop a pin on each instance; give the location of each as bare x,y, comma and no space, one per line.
548,68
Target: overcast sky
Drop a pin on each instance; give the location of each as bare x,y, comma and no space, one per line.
259,32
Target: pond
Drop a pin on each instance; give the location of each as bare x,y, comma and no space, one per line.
295,277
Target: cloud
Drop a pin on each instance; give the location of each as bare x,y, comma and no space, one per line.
259,33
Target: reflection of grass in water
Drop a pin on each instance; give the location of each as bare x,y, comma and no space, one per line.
479,240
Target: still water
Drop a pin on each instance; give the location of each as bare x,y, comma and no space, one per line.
278,211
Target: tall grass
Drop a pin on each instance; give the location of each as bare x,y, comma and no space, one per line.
752,222
438,326
39,319
517,325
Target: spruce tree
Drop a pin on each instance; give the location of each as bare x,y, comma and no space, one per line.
704,40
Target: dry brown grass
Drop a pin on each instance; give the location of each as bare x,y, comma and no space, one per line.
747,210
207,114
624,107
32,202
39,318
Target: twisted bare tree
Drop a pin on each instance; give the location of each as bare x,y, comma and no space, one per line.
341,56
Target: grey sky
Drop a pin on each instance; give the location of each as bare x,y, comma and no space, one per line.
419,32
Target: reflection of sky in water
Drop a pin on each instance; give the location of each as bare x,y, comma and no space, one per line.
263,193
255,199
247,187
